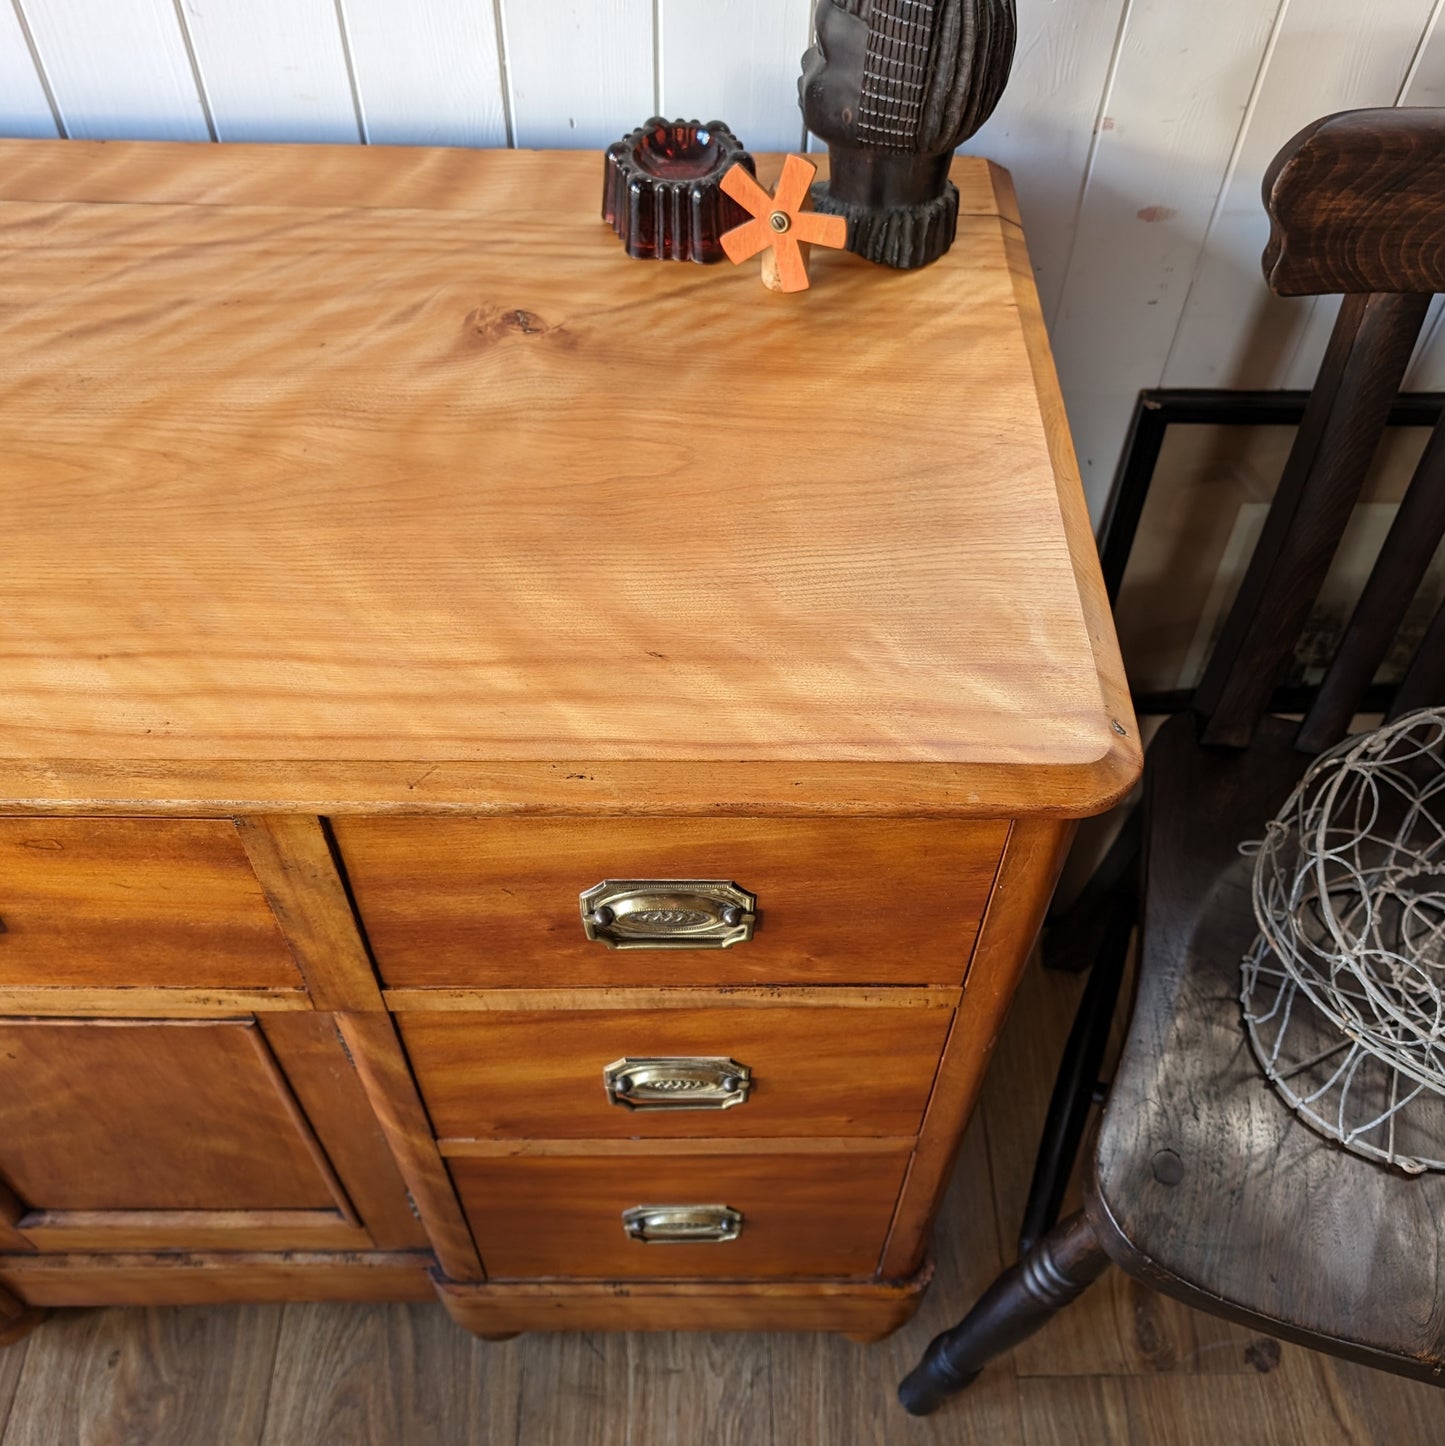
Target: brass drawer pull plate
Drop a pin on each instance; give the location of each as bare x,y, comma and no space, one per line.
668,913
677,1084
682,1224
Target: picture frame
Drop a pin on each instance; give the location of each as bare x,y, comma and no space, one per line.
1195,480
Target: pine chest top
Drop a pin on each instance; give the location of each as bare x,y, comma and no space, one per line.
351,478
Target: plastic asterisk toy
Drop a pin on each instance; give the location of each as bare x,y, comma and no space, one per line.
780,227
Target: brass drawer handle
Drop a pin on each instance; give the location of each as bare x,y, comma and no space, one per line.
677,1084
668,913
682,1224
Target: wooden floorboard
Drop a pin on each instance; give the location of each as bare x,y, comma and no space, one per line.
829,1391
361,1375
161,1377
576,1390
679,1385
12,1363
1124,1367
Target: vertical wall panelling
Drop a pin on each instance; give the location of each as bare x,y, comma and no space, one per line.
738,63
1233,332
273,70
1182,83
24,106
1044,128
581,72
427,72
1425,85
118,68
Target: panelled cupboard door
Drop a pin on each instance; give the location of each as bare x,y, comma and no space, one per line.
135,1135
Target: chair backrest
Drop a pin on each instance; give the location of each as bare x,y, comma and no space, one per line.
1357,206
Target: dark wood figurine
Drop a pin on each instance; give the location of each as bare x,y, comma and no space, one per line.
894,86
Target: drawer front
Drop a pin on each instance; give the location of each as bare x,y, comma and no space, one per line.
492,902
814,1071
801,1215
142,902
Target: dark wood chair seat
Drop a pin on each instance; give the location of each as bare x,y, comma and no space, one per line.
1207,1185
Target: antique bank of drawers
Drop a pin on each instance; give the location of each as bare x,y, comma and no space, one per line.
525,776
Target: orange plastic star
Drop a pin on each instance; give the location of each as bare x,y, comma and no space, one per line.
780,222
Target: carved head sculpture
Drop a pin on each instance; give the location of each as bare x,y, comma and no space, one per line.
894,86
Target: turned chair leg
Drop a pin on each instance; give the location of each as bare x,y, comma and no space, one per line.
1024,1298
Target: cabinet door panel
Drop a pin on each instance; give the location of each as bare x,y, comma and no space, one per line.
135,901
128,1134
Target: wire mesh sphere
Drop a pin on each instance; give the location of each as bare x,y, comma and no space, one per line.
1344,989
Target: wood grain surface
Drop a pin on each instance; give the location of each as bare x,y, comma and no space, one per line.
493,902
562,1216
236,1276
1032,861
331,522
375,1050
733,996
404,1375
215,1365
1126,757
129,786
147,1003
715,1305
292,857
330,1093
657,1147
1354,205
138,901
1221,88
126,1116
814,1071
69,1232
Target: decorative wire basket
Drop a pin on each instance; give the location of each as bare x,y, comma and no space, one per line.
1342,994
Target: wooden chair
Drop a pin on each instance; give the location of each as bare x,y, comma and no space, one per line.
1203,1182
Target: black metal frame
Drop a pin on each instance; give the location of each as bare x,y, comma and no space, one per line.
1155,413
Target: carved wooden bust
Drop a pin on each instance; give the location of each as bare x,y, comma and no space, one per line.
894,86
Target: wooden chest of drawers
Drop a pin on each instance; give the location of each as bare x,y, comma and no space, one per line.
390,564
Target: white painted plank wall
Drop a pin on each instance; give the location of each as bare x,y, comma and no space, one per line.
1233,332
24,107
427,72
1044,128
737,63
581,72
1171,119
1137,130
1426,86
273,70
117,68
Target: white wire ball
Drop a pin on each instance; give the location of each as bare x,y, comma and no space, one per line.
1349,894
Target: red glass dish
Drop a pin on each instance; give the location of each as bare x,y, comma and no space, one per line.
661,192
